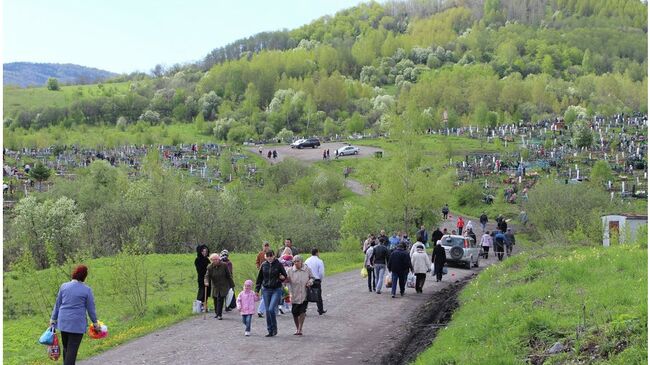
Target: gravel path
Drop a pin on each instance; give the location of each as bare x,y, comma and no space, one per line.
314,154
357,328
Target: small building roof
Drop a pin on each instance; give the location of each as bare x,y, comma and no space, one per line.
630,216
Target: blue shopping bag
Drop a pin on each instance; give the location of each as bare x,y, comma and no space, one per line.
47,338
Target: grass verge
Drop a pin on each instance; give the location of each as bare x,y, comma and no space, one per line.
591,300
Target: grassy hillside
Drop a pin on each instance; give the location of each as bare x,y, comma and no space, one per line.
171,284
593,300
16,99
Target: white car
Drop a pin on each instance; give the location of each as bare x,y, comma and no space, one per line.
348,150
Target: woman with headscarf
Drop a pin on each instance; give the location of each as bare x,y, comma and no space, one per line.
421,267
219,277
224,258
201,263
69,314
439,257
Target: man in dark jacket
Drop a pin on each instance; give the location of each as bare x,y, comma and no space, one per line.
380,259
510,241
439,257
399,264
483,219
201,263
423,236
499,243
436,236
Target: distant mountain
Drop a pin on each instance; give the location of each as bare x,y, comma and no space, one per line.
25,74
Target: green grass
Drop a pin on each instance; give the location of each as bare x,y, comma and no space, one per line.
15,99
24,320
522,307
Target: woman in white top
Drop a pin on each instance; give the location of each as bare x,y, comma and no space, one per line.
486,243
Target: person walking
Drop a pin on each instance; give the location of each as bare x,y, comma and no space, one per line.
510,241
486,243
445,211
300,278
224,259
499,243
436,236
246,305
317,267
73,301
470,233
460,223
259,260
220,279
368,264
439,257
399,264
269,281
379,260
483,219
289,243
420,263
422,236
201,263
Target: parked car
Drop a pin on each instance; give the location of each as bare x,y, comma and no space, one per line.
460,249
307,142
348,150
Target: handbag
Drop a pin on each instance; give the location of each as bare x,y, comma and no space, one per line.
410,280
47,337
444,271
364,272
53,350
313,294
388,280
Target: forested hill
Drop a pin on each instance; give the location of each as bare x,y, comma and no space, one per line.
485,63
25,74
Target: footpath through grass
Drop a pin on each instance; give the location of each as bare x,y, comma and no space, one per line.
514,312
171,290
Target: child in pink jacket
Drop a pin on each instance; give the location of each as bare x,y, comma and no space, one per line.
246,305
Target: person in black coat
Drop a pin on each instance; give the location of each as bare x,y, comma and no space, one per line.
399,264
201,263
439,257
436,236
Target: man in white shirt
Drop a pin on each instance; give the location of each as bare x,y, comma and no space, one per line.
317,268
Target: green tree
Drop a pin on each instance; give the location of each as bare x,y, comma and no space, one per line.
601,173
40,173
50,230
53,84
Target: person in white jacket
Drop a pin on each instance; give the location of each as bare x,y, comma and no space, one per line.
415,247
421,265
486,243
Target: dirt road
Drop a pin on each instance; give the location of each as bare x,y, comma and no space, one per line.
359,327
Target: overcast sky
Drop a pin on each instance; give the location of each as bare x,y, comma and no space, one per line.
135,35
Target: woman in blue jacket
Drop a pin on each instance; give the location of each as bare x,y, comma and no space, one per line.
69,315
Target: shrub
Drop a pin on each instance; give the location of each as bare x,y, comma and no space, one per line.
469,195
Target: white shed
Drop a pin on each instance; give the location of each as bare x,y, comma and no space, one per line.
624,224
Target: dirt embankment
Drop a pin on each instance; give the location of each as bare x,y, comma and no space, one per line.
425,323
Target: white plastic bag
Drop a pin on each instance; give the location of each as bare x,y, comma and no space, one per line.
410,280
229,296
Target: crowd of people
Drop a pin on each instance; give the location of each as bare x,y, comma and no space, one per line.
390,260
284,282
